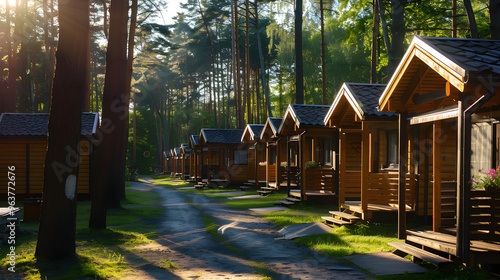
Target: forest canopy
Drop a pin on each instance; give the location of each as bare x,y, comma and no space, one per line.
191,74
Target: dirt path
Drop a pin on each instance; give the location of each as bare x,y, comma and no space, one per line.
249,247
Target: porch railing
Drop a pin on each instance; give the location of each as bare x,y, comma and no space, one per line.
319,179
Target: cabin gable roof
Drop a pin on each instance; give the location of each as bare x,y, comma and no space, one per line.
36,124
356,101
434,70
303,115
193,141
220,136
184,149
252,133
271,128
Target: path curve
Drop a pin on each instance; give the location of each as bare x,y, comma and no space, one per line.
249,242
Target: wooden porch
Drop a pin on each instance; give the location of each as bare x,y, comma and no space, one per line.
379,193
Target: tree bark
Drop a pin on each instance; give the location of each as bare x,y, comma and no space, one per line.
395,47
56,238
471,18
247,62
107,168
495,19
323,65
299,65
261,58
9,98
375,35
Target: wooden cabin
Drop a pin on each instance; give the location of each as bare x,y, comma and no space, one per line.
227,158
167,162
177,163
256,153
310,147
444,90
23,144
195,158
185,152
368,162
275,153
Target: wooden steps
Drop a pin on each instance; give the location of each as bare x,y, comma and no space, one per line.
292,199
335,221
341,218
286,202
244,188
402,249
264,193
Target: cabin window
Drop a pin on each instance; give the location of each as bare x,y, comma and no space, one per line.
327,152
240,157
392,149
272,155
481,147
293,155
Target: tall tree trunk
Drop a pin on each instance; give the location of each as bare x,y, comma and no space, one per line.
247,61
261,58
56,237
236,58
375,35
471,18
107,167
395,47
128,86
495,20
454,19
323,64
9,98
280,89
257,92
299,65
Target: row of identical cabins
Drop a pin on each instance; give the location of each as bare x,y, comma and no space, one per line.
407,147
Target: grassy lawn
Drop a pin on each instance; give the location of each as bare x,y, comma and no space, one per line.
362,238
99,253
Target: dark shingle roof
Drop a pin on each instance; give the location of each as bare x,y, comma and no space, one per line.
177,151
222,136
275,122
194,140
185,148
471,54
256,129
36,124
367,96
310,114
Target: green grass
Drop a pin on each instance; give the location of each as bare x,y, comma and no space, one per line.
266,201
263,270
174,184
168,265
162,177
98,252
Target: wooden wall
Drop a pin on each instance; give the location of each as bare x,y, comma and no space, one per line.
448,142
29,154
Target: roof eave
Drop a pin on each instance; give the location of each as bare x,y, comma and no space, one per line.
419,48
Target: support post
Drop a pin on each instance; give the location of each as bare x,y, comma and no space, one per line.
436,172
365,163
342,167
403,166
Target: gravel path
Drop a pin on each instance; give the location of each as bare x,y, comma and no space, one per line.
248,247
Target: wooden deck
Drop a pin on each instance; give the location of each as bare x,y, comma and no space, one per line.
355,206
445,245
297,193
